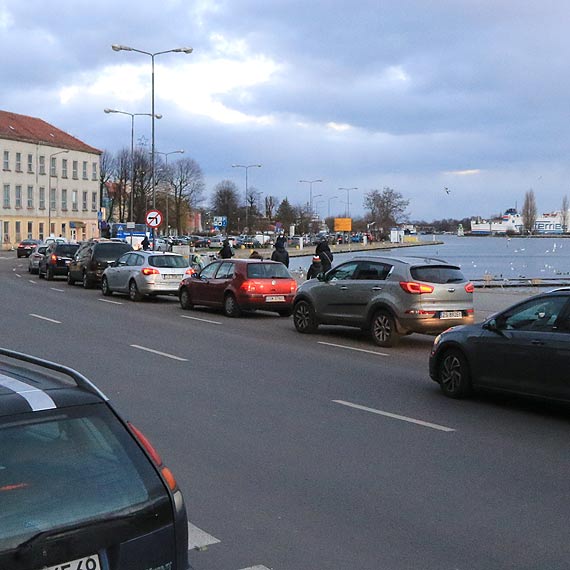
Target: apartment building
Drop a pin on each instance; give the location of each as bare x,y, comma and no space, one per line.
49,182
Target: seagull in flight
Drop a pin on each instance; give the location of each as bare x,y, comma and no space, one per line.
447,190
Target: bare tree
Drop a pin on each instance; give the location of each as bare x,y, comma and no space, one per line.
225,202
387,208
106,174
529,212
564,214
270,206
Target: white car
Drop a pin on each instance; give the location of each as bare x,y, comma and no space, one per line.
216,242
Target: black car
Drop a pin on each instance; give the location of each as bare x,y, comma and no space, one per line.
524,349
56,260
26,246
91,260
80,487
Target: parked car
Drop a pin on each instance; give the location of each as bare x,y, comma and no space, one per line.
81,487
35,257
26,246
216,242
56,260
91,260
236,285
524,349
160,244
200,241
140,273
388,296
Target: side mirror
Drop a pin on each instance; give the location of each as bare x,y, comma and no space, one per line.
491,325
321,276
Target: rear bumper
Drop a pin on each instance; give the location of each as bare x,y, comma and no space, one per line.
259,302
433,325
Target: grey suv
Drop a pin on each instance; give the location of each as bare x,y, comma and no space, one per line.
388,296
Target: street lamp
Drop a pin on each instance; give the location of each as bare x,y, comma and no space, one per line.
329,208
348,199
246,196
132,116
310,183
49,186
186,50
166,154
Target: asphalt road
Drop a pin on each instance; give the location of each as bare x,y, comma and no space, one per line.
312,452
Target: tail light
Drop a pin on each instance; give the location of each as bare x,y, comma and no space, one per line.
470,288
53,258
154,455
190,271
249,286
150,271
416,288
293,286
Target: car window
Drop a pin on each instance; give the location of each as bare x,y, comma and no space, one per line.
267,271
535,315
344,271
437,274
66,249
226,270
65,467
167,261
209,271
110,250
371,270
124,259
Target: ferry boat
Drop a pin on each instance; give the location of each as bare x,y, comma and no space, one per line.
510,222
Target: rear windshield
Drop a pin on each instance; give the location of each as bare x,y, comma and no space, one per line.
437,274
267,271
111,251
167,261
62,468
68,249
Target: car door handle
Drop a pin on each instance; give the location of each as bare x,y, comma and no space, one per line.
537,342
376,288
343,288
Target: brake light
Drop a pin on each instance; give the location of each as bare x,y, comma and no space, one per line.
150,271
416,288
293,287
249,286
53,257
470,288
190,271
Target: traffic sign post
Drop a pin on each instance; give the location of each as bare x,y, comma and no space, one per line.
154,219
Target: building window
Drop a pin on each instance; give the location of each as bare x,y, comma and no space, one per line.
18,189
6,196
94,172
64,167
74,200
52,166
6,232
74,170
41,233
52,199
30,197
84,196
30,163
42,164
30,230
64,199
6,164
93,201
18,162
42,198
18,231
85,170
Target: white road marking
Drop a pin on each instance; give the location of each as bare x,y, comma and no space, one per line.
159,353
18,275
394,416
199,539
32,281
258,567
353,348
109,301
45,319
203,320
56,289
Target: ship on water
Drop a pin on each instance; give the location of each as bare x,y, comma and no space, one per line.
511,222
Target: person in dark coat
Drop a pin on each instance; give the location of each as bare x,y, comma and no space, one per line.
315,268
255,255
325,254
280,254
226,251
281,241
145,243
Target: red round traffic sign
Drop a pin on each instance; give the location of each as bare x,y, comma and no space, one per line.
153,218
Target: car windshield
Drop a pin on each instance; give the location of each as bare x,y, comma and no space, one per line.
67,249
437,274
111,250
63,468
267,271
167,261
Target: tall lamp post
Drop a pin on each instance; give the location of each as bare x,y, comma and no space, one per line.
186,50
246,187
49,187
310,183
132,116
166,154
329,206
348,199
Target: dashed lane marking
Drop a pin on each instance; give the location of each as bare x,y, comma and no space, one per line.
165,354
202,320
56,289
199,539
258,567
375,352
394,416
32,281
109,301
45,319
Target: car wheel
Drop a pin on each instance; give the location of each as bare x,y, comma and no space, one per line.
285,313
231,307
185,299
383,329
134,293
49,274
86,281
304,317
454,376
105,288
70,280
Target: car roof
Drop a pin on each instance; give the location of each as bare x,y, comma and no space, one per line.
408,260
30,384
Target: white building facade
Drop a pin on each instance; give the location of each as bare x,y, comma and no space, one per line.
49,182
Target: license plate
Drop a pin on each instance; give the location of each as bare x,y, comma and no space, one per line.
87,563
169,277
68,262
275,299
451,314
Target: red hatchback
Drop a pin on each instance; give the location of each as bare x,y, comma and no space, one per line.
240,284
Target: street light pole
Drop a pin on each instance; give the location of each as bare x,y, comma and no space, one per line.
310,183
246,195
49,186
348,199
329,208
132,116
166,154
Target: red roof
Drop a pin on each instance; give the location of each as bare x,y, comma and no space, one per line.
29,129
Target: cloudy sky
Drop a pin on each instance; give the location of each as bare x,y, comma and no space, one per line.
416,95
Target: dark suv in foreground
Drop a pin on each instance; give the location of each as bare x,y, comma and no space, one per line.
56,260
388,296
80,488
92,259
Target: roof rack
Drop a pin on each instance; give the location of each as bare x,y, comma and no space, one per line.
79,379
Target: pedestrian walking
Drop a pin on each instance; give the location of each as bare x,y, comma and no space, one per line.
280,254
325,254
226,251
145,243
315,268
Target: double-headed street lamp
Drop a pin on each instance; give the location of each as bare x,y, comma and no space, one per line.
186,50
329,208
310,183
348,199
49,186
132,116
166,155
247,167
